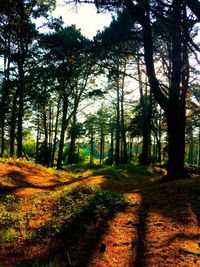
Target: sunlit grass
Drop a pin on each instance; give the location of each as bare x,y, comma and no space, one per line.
19,217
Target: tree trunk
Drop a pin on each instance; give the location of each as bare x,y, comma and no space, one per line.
13,123
101,147
123,130
92,149
37,139
5,88
112,148
46,150
198,163
55,134
63,129
71,158
191,147
130,151
20,119
146,120
22,50
117,144
176,143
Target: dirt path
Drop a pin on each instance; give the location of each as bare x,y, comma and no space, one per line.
163,230
160,227
120,239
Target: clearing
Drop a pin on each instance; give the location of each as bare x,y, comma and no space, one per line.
63,218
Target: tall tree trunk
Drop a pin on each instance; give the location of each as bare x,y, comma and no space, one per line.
92,149
55,133
123,130
130,151
62,134
102,145
22,55
71,158
37,139
13,123
50,136
176,143
5,88
46,150
20,115
146,120
112,147
191,147
117,144
198,163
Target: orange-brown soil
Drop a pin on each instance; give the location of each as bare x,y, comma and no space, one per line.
159,228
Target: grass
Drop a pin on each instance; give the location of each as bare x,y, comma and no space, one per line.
66,204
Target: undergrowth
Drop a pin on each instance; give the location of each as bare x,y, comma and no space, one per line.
69,203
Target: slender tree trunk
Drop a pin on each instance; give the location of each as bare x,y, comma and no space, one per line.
71,158
37,139
102,140
144,157
6,85
4,103
123,130
20,116
55,134
46,150
112,148
63,129
22,55
199,149
117,144
92,149
13,123
130,151
191,147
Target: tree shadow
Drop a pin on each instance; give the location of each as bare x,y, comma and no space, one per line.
177,207
72,246
19,180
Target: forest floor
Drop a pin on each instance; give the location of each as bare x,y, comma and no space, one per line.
158,227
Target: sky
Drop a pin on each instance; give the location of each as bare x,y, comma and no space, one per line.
85,17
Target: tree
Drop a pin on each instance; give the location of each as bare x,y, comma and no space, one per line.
170,95
72,68
18,36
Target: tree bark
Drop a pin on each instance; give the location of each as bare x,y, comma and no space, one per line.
63,129
92,149
117,144
123,130
13,123
55,134
20,113
46,150
176,143
71,158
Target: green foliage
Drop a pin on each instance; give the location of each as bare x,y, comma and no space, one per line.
30,148
81,203
104,203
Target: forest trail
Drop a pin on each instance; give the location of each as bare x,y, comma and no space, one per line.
159,228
